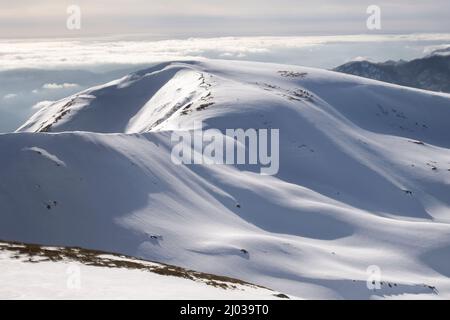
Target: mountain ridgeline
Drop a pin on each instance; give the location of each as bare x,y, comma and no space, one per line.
428,73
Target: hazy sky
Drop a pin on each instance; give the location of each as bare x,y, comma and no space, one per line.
185,18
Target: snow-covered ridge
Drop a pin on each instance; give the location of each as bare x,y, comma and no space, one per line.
137,103
63,272
364,178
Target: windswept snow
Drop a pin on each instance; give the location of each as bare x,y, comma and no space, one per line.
364,178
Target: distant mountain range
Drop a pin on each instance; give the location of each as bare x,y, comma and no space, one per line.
430,73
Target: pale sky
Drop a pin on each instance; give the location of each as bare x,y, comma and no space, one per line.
210,18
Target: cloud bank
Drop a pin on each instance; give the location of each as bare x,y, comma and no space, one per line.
53,86
79,53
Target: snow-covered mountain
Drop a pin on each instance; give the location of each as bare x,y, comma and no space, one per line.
363,182
430,73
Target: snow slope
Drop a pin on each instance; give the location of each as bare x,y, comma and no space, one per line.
74,273
364,178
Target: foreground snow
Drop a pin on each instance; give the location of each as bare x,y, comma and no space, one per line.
35,272
364,179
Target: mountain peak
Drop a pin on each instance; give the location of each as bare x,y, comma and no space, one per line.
362,183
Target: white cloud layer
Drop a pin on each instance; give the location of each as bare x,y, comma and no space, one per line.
77,53
9,96
53,86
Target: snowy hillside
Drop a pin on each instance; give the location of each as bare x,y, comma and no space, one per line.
364,178
74,273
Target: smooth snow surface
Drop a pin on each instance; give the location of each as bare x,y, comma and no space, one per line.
364,178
